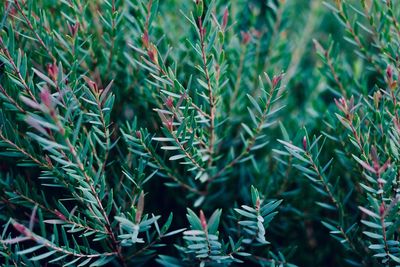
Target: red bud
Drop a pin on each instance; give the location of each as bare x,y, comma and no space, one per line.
375,159
225,19
45,97
152,53
73,29
276,80
170,125
92,85
60,215
11,8
145,39
203,221
389,72
246,37
52,70
257,33
47,158
382,209
20,228
305,143
169,102
139,208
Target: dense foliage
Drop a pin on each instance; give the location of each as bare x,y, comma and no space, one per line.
199,133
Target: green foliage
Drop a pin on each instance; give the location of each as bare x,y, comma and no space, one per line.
118,117
203,244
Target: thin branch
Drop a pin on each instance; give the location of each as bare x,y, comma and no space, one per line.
27,21
47,243
162,166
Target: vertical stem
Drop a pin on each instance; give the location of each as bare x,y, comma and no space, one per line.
110,57
238,78
211,98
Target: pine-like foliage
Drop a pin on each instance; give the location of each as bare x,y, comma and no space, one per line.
199,133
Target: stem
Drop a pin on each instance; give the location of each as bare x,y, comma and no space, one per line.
356,39
106,134
86,227
16,70
11,100
211,98
337,203
382,215
378,41
168,171
329,62
27,21
238,78
322,179
252,141
89,181
25,153
110,57
47,243
190,157
392,16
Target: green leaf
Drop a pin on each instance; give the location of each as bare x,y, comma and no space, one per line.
43,256
213,222
194,220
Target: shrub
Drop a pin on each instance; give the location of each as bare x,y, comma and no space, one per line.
120,117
